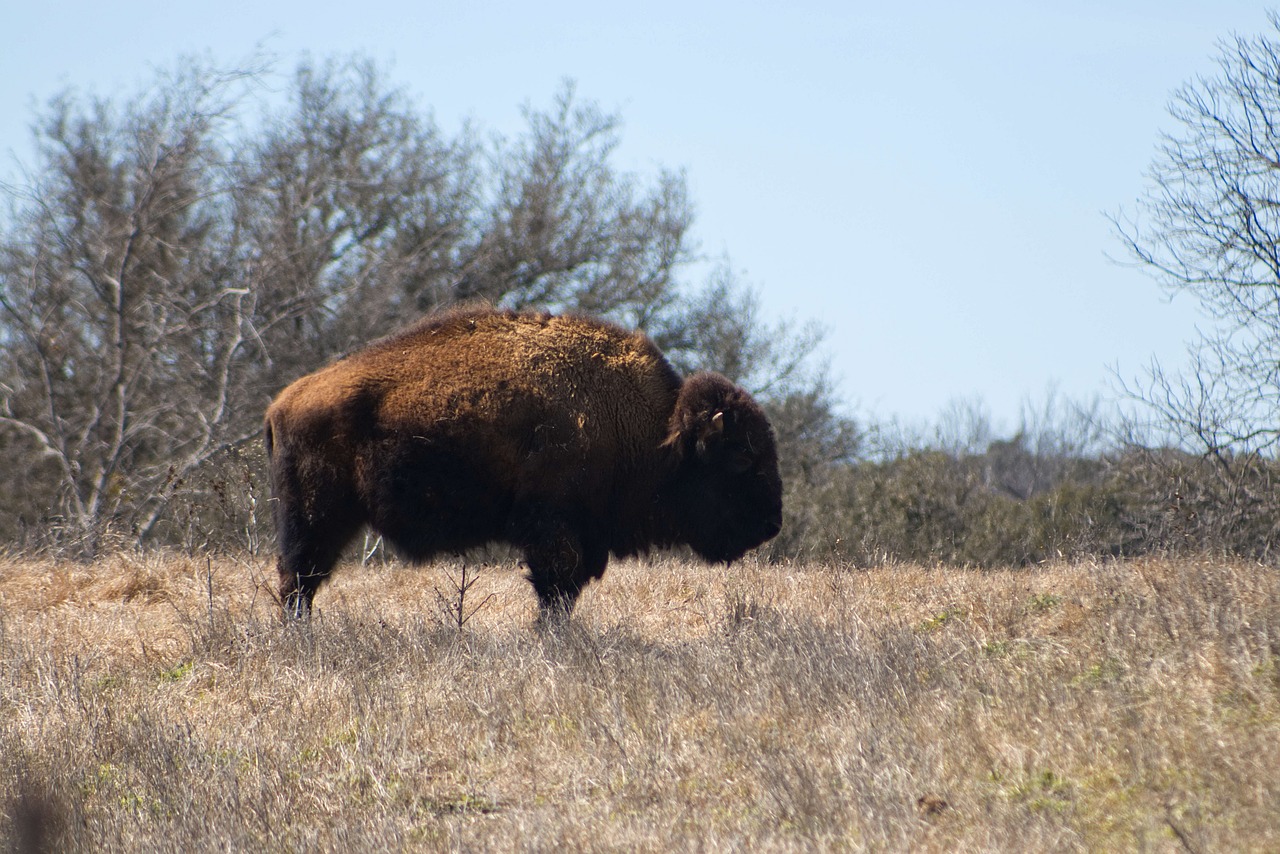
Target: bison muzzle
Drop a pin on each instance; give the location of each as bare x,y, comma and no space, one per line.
566,437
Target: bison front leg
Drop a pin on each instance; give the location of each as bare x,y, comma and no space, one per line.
309,548
561,563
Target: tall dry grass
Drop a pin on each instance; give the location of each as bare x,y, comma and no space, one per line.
155,703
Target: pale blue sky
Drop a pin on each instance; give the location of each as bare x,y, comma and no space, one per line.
927,180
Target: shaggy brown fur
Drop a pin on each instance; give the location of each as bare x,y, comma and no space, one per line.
567,437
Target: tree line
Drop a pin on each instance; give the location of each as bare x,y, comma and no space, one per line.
170,260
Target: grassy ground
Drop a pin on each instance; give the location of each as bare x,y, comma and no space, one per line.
155,703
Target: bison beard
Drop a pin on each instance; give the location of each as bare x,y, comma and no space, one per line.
566,437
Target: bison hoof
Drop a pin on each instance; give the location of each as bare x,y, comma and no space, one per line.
296,608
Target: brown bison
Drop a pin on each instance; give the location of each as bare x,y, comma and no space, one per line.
566,437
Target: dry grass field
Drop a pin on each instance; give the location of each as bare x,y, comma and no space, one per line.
155,703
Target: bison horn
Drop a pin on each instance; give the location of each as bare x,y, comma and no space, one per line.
713,431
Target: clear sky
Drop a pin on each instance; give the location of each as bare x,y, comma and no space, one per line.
929,180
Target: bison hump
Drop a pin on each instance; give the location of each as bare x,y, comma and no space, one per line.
514,368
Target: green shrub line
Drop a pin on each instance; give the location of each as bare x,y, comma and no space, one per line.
931,506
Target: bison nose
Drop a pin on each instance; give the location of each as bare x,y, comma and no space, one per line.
772,528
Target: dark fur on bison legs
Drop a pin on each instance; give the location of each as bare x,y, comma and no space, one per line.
296,592
297,589
305,562
559,567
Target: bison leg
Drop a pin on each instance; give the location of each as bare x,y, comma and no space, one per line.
560,565
308,552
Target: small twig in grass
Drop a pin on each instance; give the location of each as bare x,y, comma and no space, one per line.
368,551
208,577
1178,831
454,608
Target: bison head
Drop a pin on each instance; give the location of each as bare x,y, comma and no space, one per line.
726,494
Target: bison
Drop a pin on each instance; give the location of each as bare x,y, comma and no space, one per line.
566,437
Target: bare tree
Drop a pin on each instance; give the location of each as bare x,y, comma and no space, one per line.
1209,226
723,327
120,316
356,209
161,276
566,230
